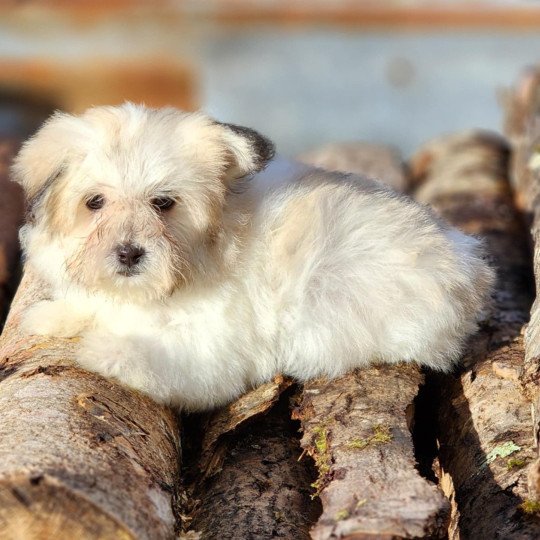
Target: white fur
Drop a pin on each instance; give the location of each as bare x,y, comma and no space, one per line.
300,271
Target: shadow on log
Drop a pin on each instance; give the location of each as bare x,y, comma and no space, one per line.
484,418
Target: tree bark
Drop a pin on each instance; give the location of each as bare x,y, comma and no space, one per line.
357,428
260,489
80,456
484,418
376,161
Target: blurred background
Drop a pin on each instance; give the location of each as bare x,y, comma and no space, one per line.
303,72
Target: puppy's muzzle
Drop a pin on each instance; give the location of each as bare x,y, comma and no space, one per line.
129,256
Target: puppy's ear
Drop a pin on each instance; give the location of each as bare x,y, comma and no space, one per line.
249,151
44,156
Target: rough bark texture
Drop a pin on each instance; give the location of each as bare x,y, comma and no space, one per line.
522,125
357,428
11,215
484,418
245,479
80,456
383,163
261,490
222,425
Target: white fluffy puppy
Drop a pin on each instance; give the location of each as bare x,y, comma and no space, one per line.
192,278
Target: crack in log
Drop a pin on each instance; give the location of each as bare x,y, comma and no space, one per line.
424,428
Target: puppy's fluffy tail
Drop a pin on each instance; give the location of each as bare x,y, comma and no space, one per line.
468,285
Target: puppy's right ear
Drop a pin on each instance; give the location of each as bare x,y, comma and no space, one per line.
249,151
45,155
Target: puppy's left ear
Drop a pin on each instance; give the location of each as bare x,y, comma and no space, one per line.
44,156
249,151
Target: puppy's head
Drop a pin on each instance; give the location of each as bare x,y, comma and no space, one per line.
129,199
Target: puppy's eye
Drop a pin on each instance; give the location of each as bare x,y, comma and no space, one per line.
163,203
96,202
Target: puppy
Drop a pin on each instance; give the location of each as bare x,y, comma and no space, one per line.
191,275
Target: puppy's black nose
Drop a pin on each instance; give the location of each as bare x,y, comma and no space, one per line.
129,254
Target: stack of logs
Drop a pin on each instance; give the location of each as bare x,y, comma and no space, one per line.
387,452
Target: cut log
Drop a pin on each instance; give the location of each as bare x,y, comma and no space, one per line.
221,425
522,127
484,418
260,490
245,479
376,161
357,429
80,456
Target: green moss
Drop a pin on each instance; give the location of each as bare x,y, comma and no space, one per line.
341,515
502,450
381,435
515,463
530,507
321,456
321,440
358,444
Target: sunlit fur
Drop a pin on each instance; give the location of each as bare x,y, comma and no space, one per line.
292,269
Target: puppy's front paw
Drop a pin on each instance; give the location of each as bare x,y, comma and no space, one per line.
53,318
126,359
106,354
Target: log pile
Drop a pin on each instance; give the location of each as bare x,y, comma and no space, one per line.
387,452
